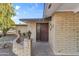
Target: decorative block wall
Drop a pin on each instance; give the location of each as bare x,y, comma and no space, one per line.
66,27
22,50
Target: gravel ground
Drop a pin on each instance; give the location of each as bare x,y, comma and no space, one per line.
7,51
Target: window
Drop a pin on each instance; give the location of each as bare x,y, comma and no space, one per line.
49,6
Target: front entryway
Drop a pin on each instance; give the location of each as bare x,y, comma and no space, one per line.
42,49
42,32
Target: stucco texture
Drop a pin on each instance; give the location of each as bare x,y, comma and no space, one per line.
22,28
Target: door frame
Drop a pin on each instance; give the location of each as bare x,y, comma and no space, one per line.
36,32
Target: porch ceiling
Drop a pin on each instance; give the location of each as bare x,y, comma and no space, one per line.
60,7
69,7
48,11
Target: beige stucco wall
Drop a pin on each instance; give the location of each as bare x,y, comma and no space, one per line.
64,36
32,27
22,28
51,33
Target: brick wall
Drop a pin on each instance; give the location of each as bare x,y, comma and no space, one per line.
66,33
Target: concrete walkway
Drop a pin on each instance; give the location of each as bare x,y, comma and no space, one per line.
42,49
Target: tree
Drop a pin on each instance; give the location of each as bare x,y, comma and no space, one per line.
6,14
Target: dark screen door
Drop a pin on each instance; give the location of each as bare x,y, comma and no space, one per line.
42,32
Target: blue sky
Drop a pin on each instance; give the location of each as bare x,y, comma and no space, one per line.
27,10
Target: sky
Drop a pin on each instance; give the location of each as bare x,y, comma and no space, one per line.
27,10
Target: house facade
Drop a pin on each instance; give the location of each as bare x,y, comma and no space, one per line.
63,37
59,27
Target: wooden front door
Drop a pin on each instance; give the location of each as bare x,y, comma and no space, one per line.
42,32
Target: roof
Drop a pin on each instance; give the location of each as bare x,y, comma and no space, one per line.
21,25
32,19
37,20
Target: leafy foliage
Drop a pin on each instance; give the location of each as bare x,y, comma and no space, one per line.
6,14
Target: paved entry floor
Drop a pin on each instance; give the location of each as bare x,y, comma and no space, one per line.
42,49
